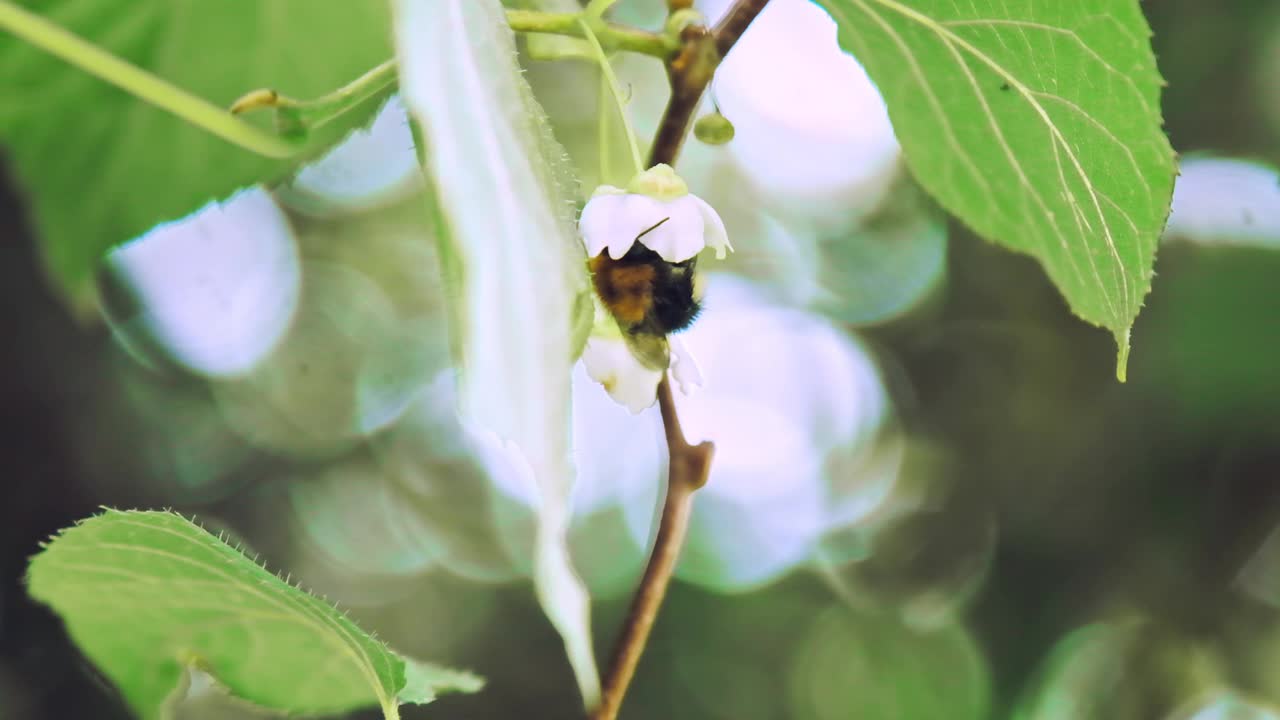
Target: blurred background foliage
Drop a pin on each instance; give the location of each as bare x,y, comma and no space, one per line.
932,499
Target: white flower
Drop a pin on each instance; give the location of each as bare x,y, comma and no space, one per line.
656,209
684,367
609,362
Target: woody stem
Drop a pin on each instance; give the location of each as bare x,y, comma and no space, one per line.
690,71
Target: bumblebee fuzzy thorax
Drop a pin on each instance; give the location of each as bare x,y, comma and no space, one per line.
642,246
646,294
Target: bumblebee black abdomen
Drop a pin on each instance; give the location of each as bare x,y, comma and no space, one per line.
675,304
646,294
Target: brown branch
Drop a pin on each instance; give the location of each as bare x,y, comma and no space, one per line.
691,70
735,22
688,467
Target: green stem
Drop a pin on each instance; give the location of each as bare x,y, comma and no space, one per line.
309,115
611,35
98,62
375,82
607,69
201,113
602,134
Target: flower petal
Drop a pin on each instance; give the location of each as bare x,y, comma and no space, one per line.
610,363
684,366
637,214
715,235
597,222
680,237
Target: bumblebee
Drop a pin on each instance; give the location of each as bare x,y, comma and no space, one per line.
649,297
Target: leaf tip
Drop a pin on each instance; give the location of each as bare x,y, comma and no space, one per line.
1122,355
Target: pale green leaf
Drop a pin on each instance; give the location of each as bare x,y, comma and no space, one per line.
145,595
101,167
523,297
1038,124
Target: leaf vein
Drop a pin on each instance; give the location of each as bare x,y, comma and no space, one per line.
949,37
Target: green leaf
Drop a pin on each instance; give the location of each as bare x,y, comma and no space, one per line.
147,594
522,293
102,167
1037,124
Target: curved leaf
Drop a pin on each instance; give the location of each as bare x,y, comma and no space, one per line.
103,167
147,594
1038,124
521,291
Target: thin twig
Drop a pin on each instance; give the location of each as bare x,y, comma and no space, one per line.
689,466
735,22
613,36
691,70
688,470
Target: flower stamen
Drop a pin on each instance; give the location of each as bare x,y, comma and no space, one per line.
653,227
